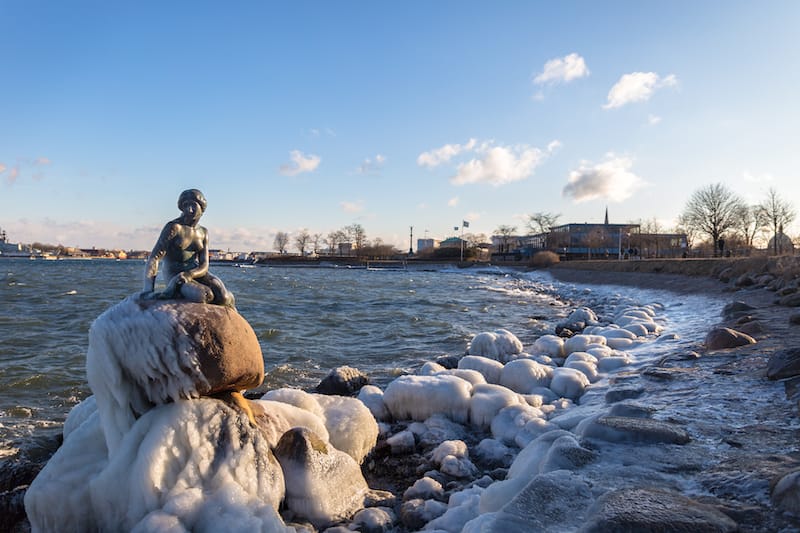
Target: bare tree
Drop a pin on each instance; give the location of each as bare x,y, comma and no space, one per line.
505,233
357,235
301,240
541,222
316,239
751,222
713,210
334,241
778,213
281,241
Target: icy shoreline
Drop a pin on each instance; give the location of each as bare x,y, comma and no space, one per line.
455,474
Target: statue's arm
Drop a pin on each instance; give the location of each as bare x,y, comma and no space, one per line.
158,253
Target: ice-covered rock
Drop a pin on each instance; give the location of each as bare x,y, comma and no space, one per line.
525,375
424,488
582,343
323,484
551,345
500,344
552,502
472,376
420,397
417,512
372,397
487,400
162,473
148,352
351,426
511,420
489,368
569,383
402,442
461,508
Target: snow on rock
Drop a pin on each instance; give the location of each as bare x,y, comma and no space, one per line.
420,397
190,463
551,345
372,397
487,400
373,520
424,488
551,502
461,508
500,344
472,376
456,448
511,420
323,484
415,513
489,368
78,415
296,397
275,418
351,426
148,352
588,369
569,383
524,375
402,442
582,343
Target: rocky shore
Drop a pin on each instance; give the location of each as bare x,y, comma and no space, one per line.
721,472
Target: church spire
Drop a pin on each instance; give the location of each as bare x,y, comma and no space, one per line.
606,222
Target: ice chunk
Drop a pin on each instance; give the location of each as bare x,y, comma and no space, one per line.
419,397
351,426
524,375
490,368
424,488
510,420
473,376
500,345
487,400
187,462
372,397
551,345
296,397
323,484
569,383
581,343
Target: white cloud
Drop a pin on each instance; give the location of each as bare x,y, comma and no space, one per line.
612,179
552,146
562,69
300,163
653,119
372,166
452,202
499,165
444,154
352,207
637,87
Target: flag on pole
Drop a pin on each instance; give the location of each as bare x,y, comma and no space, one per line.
455,228
465,223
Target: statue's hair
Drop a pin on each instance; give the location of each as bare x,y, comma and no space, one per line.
194,195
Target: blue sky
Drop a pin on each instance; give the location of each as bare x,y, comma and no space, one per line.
316,115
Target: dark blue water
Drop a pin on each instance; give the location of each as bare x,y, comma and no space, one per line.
308,320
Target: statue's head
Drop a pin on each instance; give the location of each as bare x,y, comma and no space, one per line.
192,195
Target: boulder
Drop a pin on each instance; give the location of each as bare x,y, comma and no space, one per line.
794,319
632,429
754,327
786,493
736,309
144,353
323,484
784,364
723,338
791,300
644,509
343,380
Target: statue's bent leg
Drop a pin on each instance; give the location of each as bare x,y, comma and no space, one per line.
197,292
222,296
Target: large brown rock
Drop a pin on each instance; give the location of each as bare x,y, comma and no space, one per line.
723,338
225,345
148,352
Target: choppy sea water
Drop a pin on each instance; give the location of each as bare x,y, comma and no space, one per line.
308,320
